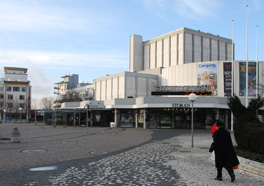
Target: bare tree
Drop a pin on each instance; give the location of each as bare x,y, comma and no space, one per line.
34,104
71,96
47,102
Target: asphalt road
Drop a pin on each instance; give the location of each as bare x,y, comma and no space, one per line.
105,156
64,147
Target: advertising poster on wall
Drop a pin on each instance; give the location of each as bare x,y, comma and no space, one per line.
207,76
251,79
227,78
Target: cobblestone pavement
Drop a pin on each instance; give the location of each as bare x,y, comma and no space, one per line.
166,159
141,166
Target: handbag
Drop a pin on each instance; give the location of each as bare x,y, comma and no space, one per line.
235,167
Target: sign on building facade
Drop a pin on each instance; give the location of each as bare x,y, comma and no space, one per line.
207,76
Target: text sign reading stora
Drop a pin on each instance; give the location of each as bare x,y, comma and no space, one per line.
180,105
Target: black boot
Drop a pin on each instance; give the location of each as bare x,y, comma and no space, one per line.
219,179
233,178
231,173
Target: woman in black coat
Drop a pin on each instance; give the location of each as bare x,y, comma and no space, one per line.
225,155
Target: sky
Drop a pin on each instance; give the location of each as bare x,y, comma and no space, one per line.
91,37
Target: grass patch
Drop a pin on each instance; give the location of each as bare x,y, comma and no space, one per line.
249,155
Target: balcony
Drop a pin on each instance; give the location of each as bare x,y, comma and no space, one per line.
56,88
87,96
56,93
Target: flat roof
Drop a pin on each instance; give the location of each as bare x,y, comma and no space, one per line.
15,68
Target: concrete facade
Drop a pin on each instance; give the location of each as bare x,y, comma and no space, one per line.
176,48
71,83
162,73
15,94
124,85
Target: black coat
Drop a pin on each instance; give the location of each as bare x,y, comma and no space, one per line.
225,155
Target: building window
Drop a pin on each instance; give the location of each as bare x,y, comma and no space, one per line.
127,118
8,88
21,97
24,89
21,105
10,97
9,105
16,89
1,88
1,96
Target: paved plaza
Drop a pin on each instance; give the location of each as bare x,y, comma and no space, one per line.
125,157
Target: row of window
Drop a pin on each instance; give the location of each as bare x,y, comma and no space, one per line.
11,105
16,89
10,97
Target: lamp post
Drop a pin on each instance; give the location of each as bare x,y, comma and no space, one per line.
54,115
87,103
4,115
192,98
20,111
43,116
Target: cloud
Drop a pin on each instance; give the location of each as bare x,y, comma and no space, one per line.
61,60
44,68
195,9
257,4
37,16
158,7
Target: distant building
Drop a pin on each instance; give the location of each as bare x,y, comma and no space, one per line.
15,94
163,71
71,83
179,47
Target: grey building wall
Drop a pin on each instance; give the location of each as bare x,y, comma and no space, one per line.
135,53
176,48
124,85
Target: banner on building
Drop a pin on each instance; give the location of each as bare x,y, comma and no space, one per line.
251,79
227,79
207,76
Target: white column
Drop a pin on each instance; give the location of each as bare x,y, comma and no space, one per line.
136,120
144,124
247,62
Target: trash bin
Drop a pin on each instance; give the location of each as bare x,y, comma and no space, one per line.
112,124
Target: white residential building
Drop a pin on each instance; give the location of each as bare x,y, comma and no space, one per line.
71,83
15,94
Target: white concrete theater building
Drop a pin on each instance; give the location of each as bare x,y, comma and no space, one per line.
162,73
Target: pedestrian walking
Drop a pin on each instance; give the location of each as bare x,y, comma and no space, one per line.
225,156
214,128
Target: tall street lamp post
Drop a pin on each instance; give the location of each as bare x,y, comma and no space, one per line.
20,111
44,116
192,98
54,118
87,103
35,117
5,115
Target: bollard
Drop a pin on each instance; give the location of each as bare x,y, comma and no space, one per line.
15,136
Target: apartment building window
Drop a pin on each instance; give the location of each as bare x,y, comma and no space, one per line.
24,89
16,89
1,96
9,105
21,97
10,97
21,105
8,88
